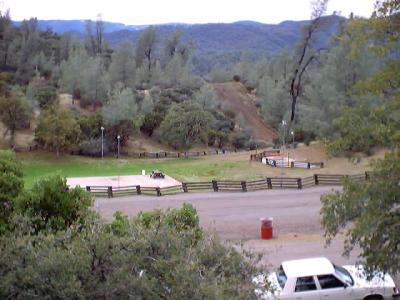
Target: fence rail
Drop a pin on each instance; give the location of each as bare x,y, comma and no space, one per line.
229,185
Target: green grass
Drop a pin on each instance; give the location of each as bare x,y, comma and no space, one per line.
193,169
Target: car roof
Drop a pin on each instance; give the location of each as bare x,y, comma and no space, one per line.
307,267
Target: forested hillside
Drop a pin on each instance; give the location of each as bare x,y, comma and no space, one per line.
223,44
164,82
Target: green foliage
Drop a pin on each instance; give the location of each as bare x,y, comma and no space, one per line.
358,130
206,97
13,113
241,139
369,213
182,220
45,94
123,260
52,205
185,124
92,147
151,122
121,107
122,68
57,130
11,185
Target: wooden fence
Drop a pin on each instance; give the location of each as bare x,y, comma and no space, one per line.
228,186
166,154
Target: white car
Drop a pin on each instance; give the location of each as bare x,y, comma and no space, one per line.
319,279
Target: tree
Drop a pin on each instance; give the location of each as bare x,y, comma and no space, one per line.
13,113
306,54
147,104
5,36
122,68
72,79
95,43
185,124
145,47
52,205
94,81
369,212
206,97
11,185
121,107
57,130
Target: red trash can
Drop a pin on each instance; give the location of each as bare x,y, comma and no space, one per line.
266,228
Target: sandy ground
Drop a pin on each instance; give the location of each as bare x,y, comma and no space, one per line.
234,217
120,181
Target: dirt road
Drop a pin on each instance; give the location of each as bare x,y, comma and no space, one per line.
235,217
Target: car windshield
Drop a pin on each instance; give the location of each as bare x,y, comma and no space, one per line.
281,276
344,274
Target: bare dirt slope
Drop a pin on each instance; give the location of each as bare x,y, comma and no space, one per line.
234,95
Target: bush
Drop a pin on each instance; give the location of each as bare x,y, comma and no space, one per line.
236,78
11,185
254,144
151,122
93,148
52,205
240,140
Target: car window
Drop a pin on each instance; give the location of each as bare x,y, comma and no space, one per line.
281,276
329,282
304,284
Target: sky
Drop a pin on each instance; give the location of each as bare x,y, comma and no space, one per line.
144,12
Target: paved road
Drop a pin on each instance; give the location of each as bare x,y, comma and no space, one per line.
234,217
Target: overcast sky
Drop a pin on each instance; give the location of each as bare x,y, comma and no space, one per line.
140,12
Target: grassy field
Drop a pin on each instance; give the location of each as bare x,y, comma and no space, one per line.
223,167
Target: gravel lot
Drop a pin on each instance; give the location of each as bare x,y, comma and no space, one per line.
234,217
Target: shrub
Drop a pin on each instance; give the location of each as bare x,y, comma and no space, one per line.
11,185
52,205
241,139
236,78
93,148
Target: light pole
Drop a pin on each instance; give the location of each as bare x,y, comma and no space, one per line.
292,133
118,138
102,141
283,148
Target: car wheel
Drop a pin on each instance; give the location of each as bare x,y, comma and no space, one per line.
373,297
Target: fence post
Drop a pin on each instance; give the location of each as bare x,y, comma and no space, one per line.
138,190
156,154
316,179
299,184
269,183
292,164
244,186
184,187
215,185
158,191
109,192
88,187
322,164
308,165
366,175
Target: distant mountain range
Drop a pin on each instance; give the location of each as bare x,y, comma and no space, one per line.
214,42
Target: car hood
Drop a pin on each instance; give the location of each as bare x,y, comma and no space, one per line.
360,279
